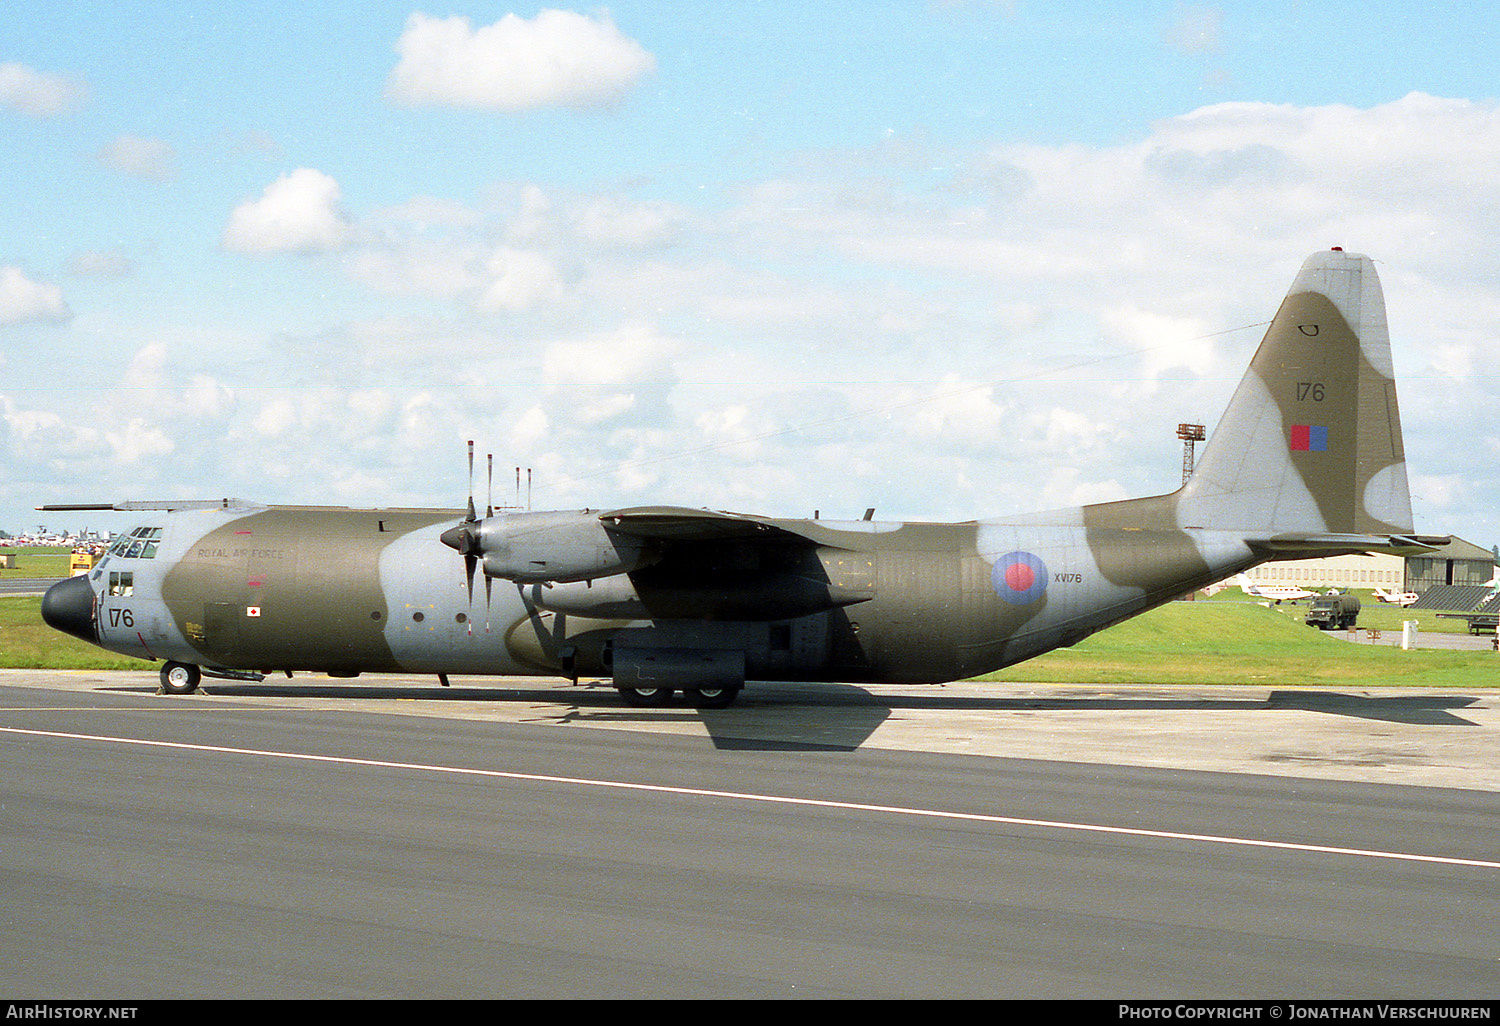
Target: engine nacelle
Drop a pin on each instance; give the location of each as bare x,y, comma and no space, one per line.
532,548
607,598
763,597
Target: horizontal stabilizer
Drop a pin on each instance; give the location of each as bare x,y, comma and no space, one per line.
1306,545
167,504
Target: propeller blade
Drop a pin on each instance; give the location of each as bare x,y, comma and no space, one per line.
465,540
489,511
470,561
471,479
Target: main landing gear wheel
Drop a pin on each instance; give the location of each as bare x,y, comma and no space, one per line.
180,678
645,697
712,698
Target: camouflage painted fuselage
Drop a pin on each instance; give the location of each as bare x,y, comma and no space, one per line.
346,591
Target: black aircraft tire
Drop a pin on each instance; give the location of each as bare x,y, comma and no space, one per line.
712,698
644,698
180,678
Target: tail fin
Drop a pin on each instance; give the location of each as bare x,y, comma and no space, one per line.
1311,443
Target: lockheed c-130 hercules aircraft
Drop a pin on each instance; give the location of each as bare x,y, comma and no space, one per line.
1307,461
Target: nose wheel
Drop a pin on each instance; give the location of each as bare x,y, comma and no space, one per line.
180,678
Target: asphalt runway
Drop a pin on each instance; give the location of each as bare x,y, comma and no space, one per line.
26,585
386,837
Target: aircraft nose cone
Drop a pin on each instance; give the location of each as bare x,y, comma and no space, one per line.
68,606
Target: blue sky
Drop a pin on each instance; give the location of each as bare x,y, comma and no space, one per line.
946,259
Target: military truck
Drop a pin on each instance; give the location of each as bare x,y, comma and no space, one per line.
1333,612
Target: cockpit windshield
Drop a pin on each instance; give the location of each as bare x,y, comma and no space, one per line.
140,543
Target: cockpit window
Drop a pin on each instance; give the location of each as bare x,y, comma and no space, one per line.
140,543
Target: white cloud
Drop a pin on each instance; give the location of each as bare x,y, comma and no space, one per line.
418,267
38,93
24,423
22,299
530,429
299,212
276,417
136,440
631,354
609,221
958,413
1065,486
141,157
1169,342
149,382
1085,433
518,280
557,59
444,249
1441,491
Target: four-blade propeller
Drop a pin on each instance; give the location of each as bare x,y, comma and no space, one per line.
465,539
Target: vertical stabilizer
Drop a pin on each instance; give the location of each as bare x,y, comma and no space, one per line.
1311,442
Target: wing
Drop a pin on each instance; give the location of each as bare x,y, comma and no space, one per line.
728,566
680,524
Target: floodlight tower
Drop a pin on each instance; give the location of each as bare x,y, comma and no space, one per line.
1189,433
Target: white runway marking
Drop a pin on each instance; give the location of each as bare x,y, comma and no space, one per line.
699,792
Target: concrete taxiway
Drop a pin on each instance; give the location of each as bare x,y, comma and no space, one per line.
1426,737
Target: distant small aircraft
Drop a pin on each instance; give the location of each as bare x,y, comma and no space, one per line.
1399,598
1275,592
1307,462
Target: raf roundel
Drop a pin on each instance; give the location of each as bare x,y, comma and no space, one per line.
1020,578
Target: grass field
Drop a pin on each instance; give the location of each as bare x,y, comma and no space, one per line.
37,561
1226,642
1239,642
27,643
1372,612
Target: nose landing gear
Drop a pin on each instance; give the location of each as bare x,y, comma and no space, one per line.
180,678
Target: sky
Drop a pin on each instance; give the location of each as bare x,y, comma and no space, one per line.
944,259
